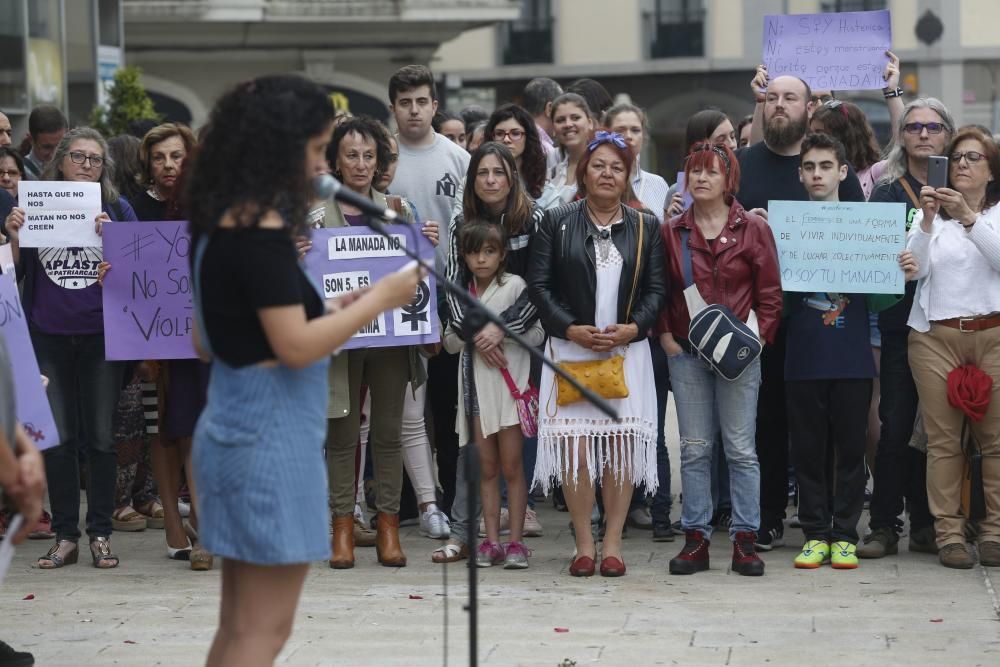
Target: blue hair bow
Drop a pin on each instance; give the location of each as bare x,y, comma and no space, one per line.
602,137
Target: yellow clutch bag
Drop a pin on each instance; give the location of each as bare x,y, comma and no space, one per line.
604,377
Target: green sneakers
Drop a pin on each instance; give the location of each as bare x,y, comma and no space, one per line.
844,556
814,553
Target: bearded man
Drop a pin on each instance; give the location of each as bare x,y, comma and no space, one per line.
769,170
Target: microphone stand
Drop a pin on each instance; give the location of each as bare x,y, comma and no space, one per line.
478,316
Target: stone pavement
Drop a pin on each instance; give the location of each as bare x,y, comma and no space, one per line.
152,611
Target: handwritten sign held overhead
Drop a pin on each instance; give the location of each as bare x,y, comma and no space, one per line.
148,310
33,409
59,214
835,51
848,247
349,258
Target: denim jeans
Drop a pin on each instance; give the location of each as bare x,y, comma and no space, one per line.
83,392
710,408
529,453
662,500
900,470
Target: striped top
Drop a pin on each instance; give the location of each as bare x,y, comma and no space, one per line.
651,191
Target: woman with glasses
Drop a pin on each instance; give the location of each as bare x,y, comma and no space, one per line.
955,242
63,304
597,276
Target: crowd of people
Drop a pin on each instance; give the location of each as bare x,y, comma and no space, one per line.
543,212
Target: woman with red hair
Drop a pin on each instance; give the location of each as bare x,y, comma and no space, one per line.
596,276
733,263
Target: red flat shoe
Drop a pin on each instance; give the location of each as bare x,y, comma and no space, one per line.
582,566
612,567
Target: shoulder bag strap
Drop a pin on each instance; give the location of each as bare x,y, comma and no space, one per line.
686,258
511,385
638,267
909,192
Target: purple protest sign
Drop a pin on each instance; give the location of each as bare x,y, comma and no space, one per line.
347,258
835,51
682,188
33,409
148,312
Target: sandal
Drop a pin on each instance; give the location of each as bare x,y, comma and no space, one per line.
100,551
201,560
152,510
128,520
57,557
450,553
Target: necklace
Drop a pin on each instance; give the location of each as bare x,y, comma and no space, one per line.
597,218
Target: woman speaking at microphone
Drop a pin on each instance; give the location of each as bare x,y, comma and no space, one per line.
258,446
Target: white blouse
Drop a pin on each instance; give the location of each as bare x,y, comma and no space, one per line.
959,270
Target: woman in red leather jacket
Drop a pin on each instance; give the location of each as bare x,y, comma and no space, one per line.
734,263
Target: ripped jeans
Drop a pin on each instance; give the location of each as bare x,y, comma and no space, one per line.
710,409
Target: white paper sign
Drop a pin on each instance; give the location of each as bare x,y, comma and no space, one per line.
59,214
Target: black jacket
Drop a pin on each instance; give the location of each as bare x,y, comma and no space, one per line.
562,269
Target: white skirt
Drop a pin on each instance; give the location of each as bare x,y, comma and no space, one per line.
626,448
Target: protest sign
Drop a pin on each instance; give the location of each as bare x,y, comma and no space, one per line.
33,409
348,258
682,188
148,310
848,247
59,214
835,51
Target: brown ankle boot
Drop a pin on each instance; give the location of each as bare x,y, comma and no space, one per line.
390,552
343,543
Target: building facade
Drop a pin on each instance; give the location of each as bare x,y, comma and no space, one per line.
675,57
190,51
60,52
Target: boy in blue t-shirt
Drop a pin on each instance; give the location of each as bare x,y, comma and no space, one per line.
829,369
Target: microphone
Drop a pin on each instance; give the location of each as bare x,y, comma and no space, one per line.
326,186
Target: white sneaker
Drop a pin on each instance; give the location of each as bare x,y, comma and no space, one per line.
532,527
184,508
434,523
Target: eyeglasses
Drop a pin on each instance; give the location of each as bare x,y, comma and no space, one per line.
515,135
972,157
13,173
79,157
917,128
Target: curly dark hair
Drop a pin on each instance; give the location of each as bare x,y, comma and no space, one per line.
251,158
533,158
368,128
847,123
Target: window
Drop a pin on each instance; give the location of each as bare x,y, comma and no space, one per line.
110,22
677,28
13,89
529,39
852,5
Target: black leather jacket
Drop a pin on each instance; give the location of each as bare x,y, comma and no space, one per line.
562,269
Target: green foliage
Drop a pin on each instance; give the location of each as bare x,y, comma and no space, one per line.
127,102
